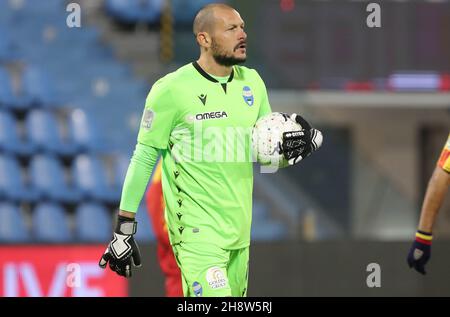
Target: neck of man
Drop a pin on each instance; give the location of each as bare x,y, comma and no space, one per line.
209,65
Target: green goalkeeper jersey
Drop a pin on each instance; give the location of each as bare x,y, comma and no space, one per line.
203,127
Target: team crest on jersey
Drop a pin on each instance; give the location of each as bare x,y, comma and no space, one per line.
247,95
147,119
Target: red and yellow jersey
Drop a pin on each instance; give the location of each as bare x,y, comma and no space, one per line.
444,160
155,206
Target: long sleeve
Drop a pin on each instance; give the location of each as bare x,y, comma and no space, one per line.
138,175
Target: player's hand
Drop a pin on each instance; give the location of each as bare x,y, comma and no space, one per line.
298,145
420,251
123,251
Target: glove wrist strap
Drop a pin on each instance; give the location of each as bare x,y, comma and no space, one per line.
424,237
126,226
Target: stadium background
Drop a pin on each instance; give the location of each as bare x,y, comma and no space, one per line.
71,101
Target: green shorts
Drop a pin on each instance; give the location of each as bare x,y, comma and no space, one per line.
210,271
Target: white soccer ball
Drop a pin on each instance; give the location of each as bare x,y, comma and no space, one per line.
267,137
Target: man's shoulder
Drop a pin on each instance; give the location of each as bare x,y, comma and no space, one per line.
169,83
179,75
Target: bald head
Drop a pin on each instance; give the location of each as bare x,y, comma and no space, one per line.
205,19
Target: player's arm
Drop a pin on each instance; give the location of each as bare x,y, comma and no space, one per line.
434,197
437,188
157,123
123,251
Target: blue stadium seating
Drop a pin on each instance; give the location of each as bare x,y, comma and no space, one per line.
91,179
43,133
12,225
93,223
132,11
47,177
50,223
47,50
12,186
10,142
145,230
39,88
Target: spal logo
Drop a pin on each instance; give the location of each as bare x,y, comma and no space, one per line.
216,278
247,95
197,288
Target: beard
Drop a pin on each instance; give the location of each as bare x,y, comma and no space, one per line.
223,58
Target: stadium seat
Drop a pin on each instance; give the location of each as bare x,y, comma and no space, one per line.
93,223
44,135
7,47
12,225
38,87
8,99
12,186
145,230
50,223
93,75
10,142
47,177
123,137
134,11
53,6
84,133
91,180
6,90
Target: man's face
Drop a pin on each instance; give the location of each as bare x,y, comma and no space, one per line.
229,41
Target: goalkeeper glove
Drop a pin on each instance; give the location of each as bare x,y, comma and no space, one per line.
420,251
123,250
297,145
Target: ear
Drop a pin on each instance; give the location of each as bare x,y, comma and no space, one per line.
203,39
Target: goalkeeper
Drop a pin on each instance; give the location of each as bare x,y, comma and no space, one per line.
208,201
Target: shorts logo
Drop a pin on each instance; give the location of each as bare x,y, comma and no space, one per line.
216,278
147,119
247,95
198,289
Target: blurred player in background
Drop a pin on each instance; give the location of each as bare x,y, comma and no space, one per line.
155,207
208,202
420,251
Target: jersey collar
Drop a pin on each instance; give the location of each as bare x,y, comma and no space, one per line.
207,76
